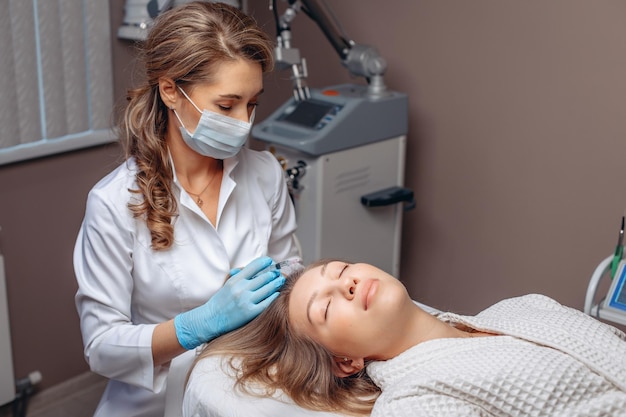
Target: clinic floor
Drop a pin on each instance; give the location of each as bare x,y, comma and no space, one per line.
75,398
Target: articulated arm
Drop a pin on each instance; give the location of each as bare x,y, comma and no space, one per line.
361,60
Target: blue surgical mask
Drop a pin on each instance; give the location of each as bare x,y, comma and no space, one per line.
216,135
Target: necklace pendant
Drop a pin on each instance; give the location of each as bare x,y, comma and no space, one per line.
199,202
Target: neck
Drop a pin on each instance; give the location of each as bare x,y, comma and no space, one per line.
188,163
422,327
196,171
191,167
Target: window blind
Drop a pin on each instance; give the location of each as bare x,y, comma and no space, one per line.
56,83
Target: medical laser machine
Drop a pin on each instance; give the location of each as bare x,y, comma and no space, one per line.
343,150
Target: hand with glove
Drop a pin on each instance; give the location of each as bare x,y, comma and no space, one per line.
243,297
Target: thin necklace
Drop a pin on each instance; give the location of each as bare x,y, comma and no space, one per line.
199,201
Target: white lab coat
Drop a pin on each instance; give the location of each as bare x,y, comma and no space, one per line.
126,288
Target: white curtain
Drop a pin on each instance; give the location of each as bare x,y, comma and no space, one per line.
56,76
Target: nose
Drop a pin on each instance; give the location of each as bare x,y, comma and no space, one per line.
347,286
243,113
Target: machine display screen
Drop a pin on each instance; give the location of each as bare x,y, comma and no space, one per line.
309,113
617,292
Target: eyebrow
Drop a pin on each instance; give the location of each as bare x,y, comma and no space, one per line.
313,296
238,97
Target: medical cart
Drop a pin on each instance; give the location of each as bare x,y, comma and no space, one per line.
344,158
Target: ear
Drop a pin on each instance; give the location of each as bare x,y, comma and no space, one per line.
169,92
345,366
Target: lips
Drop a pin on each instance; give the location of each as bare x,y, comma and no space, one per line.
367,292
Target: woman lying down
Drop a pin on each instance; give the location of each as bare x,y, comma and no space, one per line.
347,338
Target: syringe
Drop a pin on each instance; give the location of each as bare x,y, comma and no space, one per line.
285,267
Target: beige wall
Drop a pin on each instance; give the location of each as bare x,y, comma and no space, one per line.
517,131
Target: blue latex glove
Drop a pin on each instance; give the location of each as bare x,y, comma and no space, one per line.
243,297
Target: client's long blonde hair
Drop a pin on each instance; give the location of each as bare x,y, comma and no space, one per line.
267,351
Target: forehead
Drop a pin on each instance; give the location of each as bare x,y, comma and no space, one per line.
305,285
301,294
238,72
240,79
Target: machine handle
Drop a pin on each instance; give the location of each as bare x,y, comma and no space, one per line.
389,196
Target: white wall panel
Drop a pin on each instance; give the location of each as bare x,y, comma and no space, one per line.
7,379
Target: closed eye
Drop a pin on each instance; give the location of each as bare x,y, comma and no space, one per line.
342,269
229,108
326,310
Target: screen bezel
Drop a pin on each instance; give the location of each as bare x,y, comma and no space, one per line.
617,291
308,113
